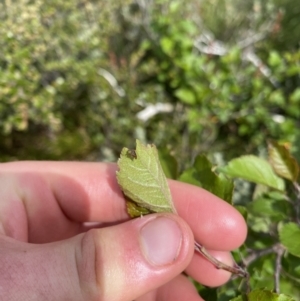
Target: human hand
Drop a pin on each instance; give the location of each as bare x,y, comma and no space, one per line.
49,250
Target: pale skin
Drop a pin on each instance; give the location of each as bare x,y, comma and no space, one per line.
49,250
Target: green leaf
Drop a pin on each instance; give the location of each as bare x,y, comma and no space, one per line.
263,295
168,163
295,96
202,174
266,295
271,205
240,298
186,96
208,294
143,181
167,45
243,211
282,161
253,169
289,236
274,59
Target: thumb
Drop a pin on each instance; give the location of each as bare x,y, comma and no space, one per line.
118,263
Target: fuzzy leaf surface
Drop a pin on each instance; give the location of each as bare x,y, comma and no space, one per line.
143,181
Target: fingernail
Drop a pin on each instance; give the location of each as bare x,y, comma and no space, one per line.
161,241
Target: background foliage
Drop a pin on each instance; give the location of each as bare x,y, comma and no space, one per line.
81,79
78,79
271,252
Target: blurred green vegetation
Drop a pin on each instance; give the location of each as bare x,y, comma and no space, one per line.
81,79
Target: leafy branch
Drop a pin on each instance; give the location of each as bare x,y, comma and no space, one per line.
280,169
236,269
142,179
143,182
277,249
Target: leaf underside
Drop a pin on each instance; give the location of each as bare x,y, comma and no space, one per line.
143,181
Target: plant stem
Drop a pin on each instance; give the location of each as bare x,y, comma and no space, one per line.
278,267
277,249
257,254
236,269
